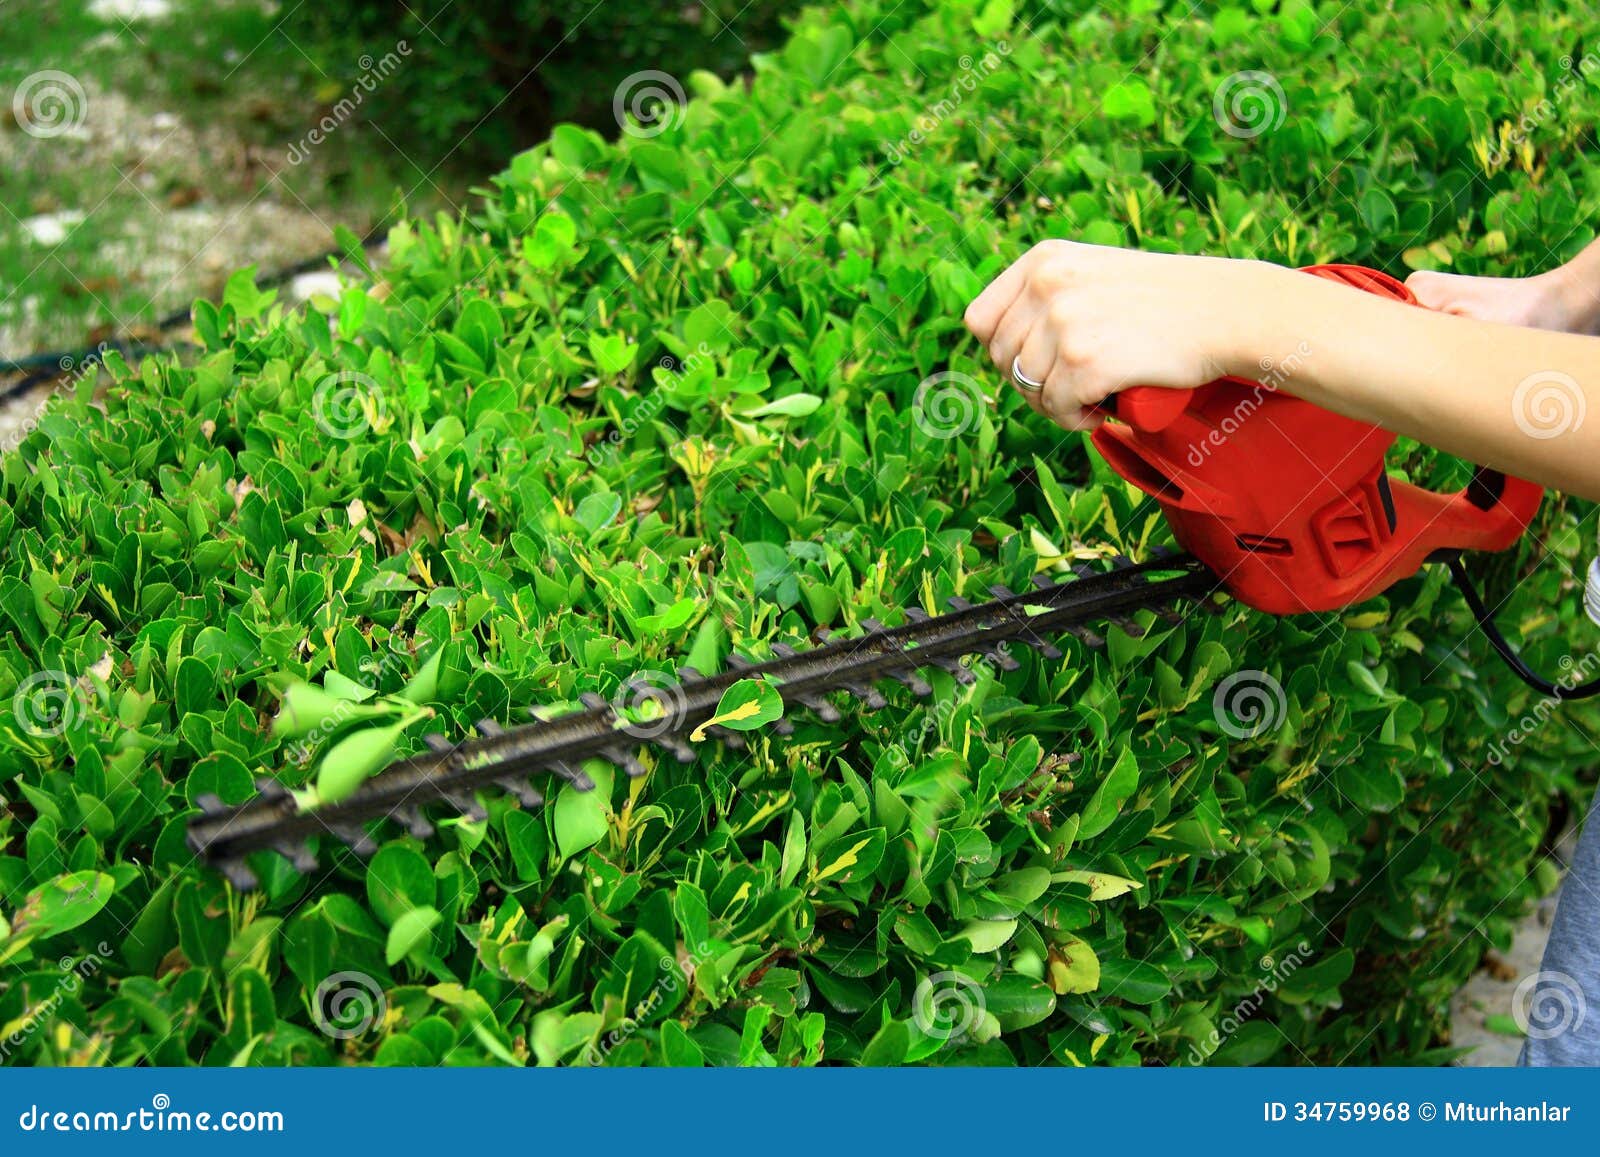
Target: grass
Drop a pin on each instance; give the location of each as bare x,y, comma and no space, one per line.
178,171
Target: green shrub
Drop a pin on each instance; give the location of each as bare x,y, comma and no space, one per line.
660,398
481,80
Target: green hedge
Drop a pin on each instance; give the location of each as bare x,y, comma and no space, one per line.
659,398
481,80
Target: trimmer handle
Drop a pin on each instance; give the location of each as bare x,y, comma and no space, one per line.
1147,407
1289,503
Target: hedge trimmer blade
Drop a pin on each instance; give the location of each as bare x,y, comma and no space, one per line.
451,773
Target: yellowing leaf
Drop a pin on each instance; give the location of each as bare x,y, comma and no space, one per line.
1101,885
748,704
847,860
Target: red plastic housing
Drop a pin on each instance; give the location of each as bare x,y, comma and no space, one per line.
1288,503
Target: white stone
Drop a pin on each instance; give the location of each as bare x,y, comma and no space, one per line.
51,228
130,9
324,282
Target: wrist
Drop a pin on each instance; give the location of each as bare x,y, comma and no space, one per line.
1570,303
1262,326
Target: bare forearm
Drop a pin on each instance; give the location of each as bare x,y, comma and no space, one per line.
1503,396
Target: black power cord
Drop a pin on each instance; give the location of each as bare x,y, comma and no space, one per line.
1507,652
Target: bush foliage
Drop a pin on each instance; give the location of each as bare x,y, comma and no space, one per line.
656,399
482,79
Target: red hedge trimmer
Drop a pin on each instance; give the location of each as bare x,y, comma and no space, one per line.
1282,504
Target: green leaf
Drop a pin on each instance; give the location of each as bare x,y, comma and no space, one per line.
791,406
553,240
888,1046
745,706
240,293
582,818
62,904
677,1050
399,880
1073,967
1106,804
987,935
1129,100
306,709
1133,981
353,760
423,687
612,352
411,932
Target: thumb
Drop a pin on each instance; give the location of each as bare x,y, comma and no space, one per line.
1430,288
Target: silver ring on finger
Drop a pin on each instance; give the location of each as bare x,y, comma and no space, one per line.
1024,382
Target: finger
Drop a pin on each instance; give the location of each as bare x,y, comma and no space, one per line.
984,315
1069,401
1020,318
1036,357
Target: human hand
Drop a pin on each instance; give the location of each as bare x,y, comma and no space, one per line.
1089,320
1553,300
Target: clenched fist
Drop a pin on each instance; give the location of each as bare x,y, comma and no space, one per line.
1084,321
